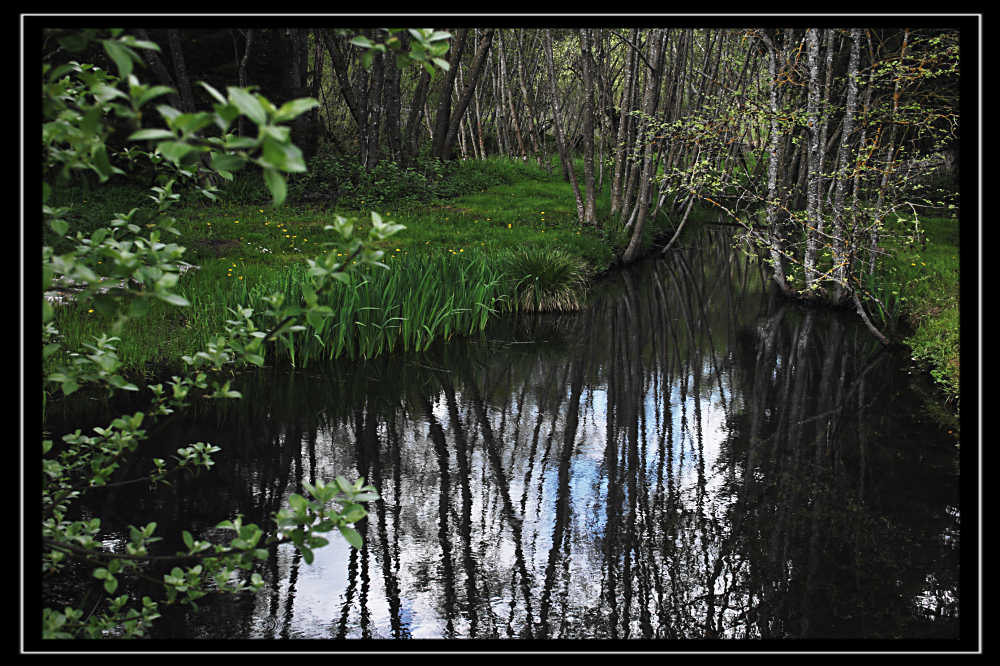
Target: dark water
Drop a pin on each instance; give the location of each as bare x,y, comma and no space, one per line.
689,457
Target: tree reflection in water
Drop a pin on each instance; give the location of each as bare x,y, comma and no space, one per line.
689,457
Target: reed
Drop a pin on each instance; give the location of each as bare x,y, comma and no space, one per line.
421,299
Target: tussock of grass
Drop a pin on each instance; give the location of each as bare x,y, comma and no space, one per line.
546,279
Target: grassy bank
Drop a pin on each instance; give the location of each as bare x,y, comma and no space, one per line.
921,273
481,238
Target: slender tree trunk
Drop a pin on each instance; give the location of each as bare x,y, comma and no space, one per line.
443,118
812,182
840,253
509,97
888,161
624,118
650,101
393,109
463,102
775,243
417,105
164,74
563,149
180,71
587,65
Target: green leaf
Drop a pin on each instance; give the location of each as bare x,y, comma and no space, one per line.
227,162
213,92
59,226
151,135
353,513
285,157
153,92
247,104
174,150
173,298
352,535
276,184
120,54
295,108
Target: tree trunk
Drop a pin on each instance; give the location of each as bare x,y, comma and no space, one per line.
650,102
587,66
163,73
180,71
624,119
775,242
813,175
840,253
564,155
413,120
443,118
463,102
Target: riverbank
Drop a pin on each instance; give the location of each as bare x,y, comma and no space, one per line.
480,238
922,273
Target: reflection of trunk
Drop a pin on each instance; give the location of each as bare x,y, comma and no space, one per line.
441,453
560,534
389,576
462,451
503,487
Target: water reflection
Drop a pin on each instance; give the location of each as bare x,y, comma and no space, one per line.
687,458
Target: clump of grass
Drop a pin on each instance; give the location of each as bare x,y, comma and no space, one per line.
546,279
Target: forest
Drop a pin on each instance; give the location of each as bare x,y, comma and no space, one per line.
227,196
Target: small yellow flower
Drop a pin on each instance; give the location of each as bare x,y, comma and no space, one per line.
508,226
236,221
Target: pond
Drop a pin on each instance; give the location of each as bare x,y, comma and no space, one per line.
688,457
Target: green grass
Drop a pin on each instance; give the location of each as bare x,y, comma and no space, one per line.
924,277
